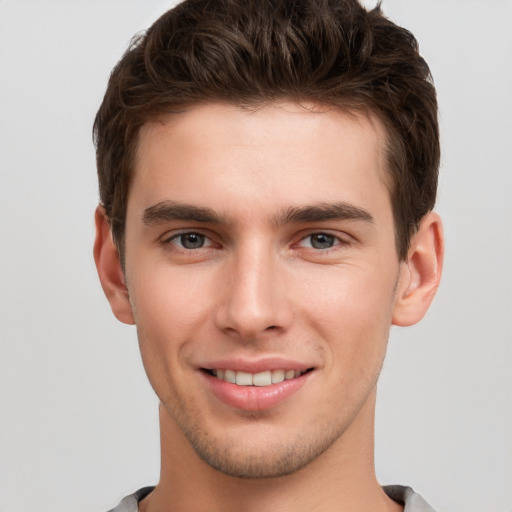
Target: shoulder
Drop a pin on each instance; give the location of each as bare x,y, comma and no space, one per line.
131,502
412,501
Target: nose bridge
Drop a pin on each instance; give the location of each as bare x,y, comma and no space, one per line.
254,301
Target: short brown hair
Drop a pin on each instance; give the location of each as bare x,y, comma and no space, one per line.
252,52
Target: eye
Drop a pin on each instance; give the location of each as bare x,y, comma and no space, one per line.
190,240
320,241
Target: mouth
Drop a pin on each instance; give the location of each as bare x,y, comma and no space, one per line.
260,379
256,385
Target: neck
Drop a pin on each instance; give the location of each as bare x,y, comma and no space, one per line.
340,479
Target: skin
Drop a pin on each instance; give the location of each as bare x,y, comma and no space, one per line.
266,283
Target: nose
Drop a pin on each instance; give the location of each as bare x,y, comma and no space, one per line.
254,300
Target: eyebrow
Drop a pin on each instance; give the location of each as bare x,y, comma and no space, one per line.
324,212
166,211
170,210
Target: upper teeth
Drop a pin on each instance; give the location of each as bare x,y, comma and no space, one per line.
265,378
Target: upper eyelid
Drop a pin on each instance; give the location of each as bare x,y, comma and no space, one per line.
343,238
175,233
173,244
338,239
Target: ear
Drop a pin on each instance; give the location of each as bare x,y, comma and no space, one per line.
420,273
109,269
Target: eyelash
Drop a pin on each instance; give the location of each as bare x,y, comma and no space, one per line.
338,242
171,240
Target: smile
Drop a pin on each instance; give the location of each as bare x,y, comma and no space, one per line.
256,391
265,378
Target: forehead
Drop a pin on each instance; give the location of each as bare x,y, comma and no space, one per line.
279,119
290,152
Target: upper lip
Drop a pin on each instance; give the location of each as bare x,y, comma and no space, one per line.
256,366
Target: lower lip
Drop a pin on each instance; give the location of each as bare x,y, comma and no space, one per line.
254,398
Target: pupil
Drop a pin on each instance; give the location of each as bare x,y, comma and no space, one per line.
322,241
192,240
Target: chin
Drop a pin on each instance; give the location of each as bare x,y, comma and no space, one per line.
266,459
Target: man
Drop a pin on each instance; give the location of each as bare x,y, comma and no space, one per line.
267,176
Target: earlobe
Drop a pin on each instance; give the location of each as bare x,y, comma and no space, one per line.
421,272
106,257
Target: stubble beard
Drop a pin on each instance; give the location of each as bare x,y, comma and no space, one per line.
238,458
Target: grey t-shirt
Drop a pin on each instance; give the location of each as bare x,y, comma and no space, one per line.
412,501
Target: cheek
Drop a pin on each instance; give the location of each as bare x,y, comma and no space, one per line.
351,309
349,295
168,299
169,310
164,330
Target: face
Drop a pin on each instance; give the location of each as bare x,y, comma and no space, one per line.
262,275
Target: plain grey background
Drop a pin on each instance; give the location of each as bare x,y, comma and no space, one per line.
78,421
